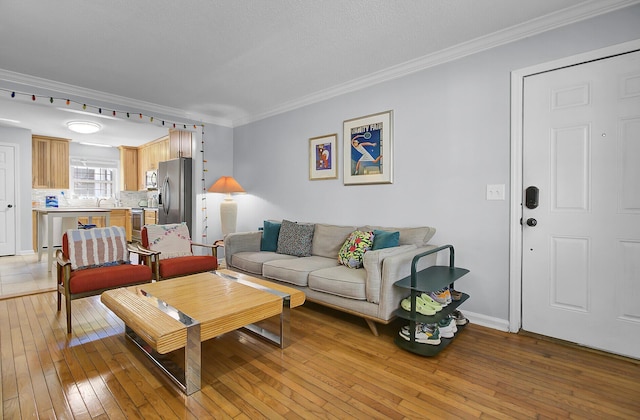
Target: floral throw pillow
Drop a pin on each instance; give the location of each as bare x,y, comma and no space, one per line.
353,249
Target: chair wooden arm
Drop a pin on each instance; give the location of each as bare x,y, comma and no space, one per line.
213,248
61,258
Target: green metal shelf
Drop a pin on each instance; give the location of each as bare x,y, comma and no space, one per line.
430,279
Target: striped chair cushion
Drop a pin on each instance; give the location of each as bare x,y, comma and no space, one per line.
97,247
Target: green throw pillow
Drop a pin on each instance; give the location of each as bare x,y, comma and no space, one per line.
384,239
270,233
353,249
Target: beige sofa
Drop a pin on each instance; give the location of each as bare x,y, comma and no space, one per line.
368,292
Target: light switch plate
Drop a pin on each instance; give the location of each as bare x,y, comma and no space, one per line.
495,191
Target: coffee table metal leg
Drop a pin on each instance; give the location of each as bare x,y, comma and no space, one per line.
283,338
187,379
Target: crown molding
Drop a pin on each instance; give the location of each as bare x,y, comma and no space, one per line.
32,83
536,26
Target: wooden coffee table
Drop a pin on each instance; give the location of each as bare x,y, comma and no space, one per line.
181,313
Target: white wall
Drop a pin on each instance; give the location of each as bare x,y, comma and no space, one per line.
451,139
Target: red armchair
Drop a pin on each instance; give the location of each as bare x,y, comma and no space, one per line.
174,250
95,260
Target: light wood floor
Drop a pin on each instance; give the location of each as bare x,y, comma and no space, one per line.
334,368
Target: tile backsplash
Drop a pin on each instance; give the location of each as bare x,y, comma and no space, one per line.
66,199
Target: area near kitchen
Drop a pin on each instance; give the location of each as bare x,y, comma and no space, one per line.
72,176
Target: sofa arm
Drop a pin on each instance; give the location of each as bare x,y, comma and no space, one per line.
373,261
241,242
396,267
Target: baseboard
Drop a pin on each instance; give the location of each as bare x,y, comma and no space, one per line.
487,321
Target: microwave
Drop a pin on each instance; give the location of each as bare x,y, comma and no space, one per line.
151,180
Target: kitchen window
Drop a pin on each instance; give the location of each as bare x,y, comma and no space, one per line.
93,178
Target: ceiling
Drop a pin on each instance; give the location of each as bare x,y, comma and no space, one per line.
230,62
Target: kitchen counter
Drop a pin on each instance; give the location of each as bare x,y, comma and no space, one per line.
69,217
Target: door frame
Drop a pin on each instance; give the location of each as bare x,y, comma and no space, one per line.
517,101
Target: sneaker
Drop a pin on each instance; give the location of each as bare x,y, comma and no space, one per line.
428,301
460,319
443,297
425,334
421,308
447,327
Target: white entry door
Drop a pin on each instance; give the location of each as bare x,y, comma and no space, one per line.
7,201
581,244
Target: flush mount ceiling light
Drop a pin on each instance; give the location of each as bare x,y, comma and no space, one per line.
84,127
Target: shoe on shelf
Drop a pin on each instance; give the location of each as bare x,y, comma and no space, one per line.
425,333
460,319
421,308
428,301
440,297
455,295
447,327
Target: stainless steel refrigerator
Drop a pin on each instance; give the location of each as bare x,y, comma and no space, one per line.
175,191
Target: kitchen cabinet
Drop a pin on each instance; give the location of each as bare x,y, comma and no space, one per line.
50,162
179,144
149,155
150,216
129,168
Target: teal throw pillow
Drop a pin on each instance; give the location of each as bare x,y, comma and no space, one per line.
353,249
270,233
384,239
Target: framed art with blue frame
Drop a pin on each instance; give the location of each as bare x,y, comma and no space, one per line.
368,149
323,157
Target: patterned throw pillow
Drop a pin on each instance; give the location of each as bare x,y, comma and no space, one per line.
96,247
171,240
353,249
295,239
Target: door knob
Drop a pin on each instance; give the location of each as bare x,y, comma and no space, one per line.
9,205
532,222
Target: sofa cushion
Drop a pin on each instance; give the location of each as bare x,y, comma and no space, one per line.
183,266
296,271
418,236
95,247
295,238
270,233
384,239
172,240
339,281
327,239
251,261
354,247
90,280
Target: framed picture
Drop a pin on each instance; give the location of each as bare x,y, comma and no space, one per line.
322,157
368,149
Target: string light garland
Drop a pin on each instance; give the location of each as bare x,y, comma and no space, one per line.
141,116
98,109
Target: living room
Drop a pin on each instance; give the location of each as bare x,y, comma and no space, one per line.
452,138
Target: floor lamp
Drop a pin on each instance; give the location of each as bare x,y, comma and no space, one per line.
228,208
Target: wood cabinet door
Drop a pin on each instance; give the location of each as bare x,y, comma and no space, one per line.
59,164
40,162
129,163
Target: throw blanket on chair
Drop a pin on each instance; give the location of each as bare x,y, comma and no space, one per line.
97,247
171,240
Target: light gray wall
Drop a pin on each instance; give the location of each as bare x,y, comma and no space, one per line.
21,138
451,139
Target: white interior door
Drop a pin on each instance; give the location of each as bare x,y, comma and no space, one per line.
581,148
7,201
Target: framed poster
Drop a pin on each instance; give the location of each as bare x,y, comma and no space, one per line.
322,157
368,149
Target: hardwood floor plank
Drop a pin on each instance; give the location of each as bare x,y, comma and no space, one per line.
334,368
